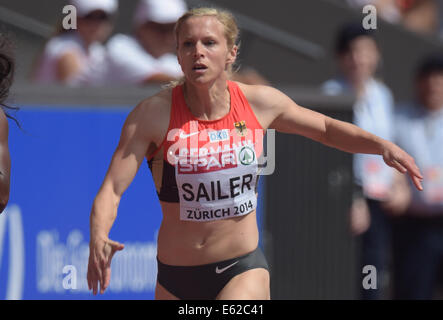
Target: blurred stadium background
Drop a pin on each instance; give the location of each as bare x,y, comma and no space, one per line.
61,156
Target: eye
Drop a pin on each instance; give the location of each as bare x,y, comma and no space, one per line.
210,42
187,43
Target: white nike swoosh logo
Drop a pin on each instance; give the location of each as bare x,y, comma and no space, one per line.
184,136
217,270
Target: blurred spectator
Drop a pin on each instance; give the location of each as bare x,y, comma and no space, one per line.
77,57
440,18
386,9
420,15
418,233
423,16
358,57
249,75
147,55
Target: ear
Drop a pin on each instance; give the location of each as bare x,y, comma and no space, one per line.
232,55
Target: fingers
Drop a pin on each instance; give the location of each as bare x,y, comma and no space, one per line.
102,276
417,181
97,274
105,264
403,162
94,284
116,246
97,279
413,169
93,275
99,268
394,163
414,173
107,277
89,278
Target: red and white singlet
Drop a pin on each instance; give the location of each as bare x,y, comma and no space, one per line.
209,167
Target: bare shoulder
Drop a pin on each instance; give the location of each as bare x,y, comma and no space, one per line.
152,115
261,96
266,102
158,104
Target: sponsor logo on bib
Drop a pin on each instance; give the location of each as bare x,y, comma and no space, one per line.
246,156
220,135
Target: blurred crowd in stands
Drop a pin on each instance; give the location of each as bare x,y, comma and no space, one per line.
401,228
88,55
422,16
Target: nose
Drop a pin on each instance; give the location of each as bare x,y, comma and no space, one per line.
198,50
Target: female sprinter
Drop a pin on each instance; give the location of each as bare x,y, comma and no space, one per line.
198,142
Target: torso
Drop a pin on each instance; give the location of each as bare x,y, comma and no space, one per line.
184,242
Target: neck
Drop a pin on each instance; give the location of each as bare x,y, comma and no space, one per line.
209,101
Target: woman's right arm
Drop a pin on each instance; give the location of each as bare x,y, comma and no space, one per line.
137,139
127,158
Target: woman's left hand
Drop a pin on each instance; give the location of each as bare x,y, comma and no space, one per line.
395,157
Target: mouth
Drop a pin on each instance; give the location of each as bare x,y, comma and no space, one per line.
199,67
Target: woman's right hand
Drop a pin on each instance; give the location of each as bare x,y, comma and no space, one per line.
101,251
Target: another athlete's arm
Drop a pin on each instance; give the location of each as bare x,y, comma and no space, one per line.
280,112
67,66
5,162
135,140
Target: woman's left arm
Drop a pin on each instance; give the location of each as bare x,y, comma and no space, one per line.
348,137
279,112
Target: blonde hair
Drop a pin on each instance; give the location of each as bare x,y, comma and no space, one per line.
226,18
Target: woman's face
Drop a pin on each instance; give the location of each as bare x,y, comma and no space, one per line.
360,61
95,26
202,49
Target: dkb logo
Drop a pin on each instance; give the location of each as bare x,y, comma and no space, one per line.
11,223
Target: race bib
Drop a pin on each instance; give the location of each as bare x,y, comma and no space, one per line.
217,184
